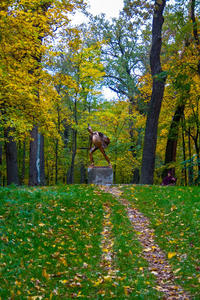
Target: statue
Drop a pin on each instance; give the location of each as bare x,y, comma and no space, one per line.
100,142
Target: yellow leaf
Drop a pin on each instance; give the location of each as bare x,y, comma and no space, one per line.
127,289
107,278
45,274
63,261
64,281
105,250
171,254
18,283
173,207
147,249
98,282
177,270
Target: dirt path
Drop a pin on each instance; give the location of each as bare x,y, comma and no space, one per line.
107,244
158,263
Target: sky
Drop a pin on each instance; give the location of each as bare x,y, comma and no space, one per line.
110,8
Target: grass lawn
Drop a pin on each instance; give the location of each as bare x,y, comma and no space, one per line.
174,213
51,242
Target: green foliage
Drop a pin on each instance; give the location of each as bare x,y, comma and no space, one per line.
121,54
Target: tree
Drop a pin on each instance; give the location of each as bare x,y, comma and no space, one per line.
11,160
182,70
124,58
77,71
26,31
159,77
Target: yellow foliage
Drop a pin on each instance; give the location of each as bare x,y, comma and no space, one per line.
27,93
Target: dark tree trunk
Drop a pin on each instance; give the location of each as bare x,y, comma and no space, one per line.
150,139
114,173
136,176
136,172
170,152
195,31
47,172
83,174
70,175
184,156
190,168
1,161
56,166
23,164
66,135
36,162
11,160
198,159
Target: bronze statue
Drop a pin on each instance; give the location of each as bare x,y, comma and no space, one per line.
100,142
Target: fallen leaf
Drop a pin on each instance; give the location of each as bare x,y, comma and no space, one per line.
171,254
147,249
177,270
45,274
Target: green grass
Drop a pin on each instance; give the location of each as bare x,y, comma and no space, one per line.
50,241
174,213
50,246
133,269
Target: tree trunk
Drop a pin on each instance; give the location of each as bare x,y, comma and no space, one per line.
83,173
198,160
190,167
23,164
36,162
56,166
136,172
47,172
170,152
159,77
195,31
184,156
1,154
11,160
70,175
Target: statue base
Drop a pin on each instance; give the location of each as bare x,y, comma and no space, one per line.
100,175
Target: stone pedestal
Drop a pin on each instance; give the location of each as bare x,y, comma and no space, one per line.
100,175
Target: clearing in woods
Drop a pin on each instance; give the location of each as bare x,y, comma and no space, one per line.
93,242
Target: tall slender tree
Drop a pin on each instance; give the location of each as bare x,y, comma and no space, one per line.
11,159
159,77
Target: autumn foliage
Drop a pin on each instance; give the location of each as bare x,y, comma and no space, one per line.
51,79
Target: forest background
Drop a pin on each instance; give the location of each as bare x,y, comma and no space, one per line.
52,74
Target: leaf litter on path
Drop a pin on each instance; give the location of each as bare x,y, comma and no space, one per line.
157,259
107,246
